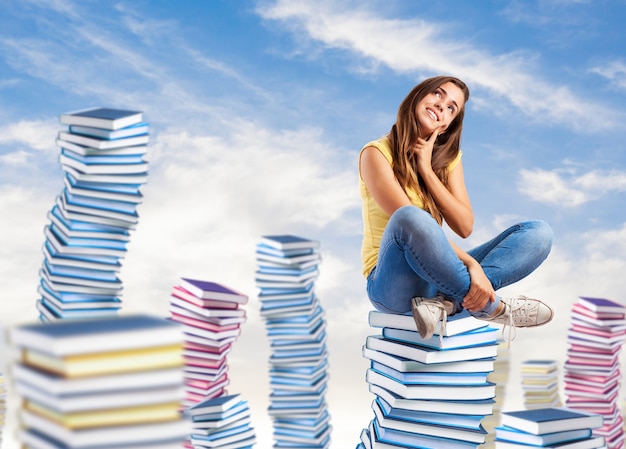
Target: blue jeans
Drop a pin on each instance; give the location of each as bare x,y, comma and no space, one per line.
416,259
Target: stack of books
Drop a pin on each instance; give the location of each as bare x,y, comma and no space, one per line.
500,377
540,382
221,423
592,368
3,395
211,317
287,268
107,382
550,427
429,392
103,161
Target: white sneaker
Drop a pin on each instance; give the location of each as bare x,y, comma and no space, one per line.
521,312
427,312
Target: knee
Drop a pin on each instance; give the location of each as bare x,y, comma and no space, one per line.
543,234
408,216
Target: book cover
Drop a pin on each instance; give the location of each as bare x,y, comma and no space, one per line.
287,242
456,324
550,420
481,336
212,290
97,335
602,304
128,131
430,391
429,355
107,118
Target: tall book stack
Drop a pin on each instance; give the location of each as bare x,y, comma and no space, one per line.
221,423
550,427
287,267
540,382
106,382
103,161
211,317
592,368
429,392
500,377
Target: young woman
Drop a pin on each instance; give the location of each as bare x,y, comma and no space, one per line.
411,180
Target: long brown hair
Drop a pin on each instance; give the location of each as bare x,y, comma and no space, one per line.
406,130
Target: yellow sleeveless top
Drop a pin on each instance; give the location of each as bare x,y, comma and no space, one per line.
374,218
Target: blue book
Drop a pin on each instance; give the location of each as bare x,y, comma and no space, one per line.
459,392
456,324
103,144
53,312
137,129
68,298
444,419
504,433
80,229
104,158
214,405
481,336
64,338
110,187
430,377
450,432
403,439
550,420
64,245
288,242
101,204
284,253
81,273
106,118
602,305
55,252
238,409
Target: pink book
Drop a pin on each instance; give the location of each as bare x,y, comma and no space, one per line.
591,362
205,363
181,293
601,304
206,384
578,308
583,348
595,331
206,348
203,324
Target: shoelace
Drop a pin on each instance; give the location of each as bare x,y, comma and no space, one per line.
510,324
444,320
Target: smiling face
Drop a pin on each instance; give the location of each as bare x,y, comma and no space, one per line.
439,108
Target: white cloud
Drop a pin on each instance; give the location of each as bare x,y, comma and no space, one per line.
416,47
568,189
35,134
614,71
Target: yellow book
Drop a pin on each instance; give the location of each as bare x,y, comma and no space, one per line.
101,418
85,365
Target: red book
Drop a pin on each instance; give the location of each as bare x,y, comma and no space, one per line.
206,348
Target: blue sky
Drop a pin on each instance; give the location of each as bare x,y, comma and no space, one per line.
257,113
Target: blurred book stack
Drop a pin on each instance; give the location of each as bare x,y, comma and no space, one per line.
100,382
540,382
3,409
221,423
287,267
103,161
211,317
429,392
551,427
592,376
500,377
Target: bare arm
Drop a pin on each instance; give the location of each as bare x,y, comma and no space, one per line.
453,201
381,181
481,291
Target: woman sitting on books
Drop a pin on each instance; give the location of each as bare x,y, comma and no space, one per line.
411,180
